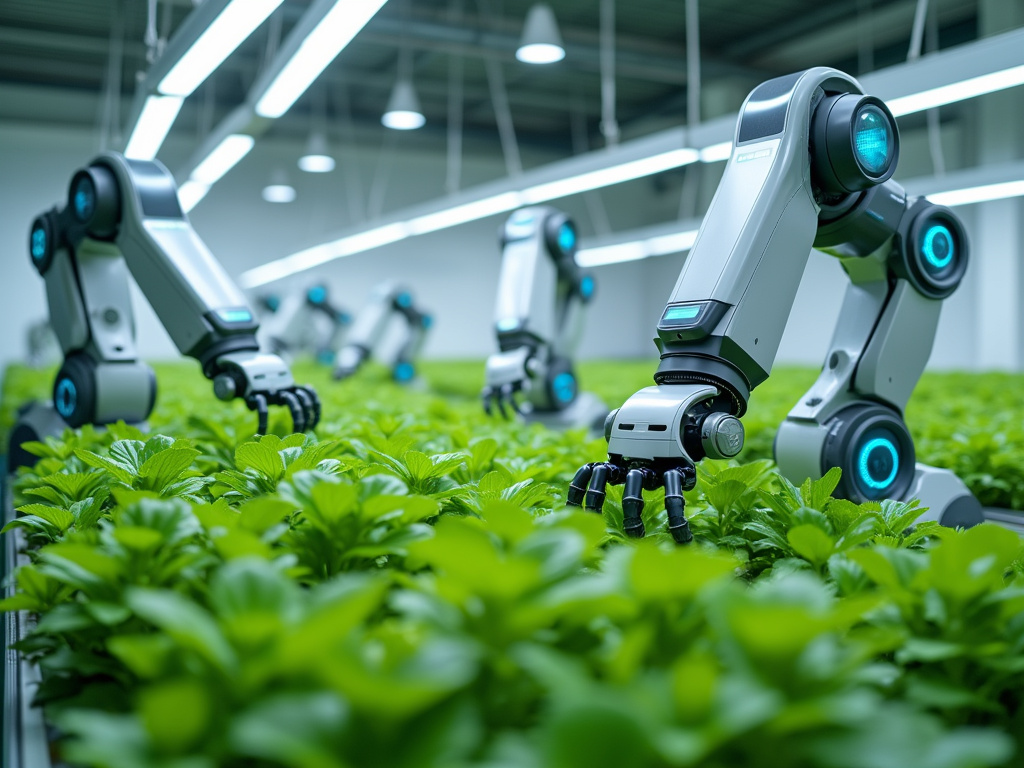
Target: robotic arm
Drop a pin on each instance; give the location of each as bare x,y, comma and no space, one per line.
538,337
805,143
388,301
123,215
300,328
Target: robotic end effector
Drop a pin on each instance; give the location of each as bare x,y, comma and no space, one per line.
804,143
542,297
125,213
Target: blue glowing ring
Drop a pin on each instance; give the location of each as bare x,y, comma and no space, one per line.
872,139
940,233
38,243
567,237
878,443
317,294
404,372
66,398
403,300
564,387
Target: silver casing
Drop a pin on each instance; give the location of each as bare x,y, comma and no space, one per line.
370,329
534,300
749,256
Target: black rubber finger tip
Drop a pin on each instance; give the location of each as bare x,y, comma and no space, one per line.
681,533
634,531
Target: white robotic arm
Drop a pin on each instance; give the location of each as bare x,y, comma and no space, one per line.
539,312
123,215
804,143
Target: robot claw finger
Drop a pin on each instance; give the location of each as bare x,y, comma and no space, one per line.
811,165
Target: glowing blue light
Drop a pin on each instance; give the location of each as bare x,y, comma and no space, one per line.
85,199
507,324
235,315
864,463
317,294
587,287
38,243
427,321
66,398
403,300
566,237
325,357
872,139
404,372
564,387
937,245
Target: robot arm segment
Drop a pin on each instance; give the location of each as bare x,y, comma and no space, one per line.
128,211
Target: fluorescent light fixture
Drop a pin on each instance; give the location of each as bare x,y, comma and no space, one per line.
158,115
461,214
605,177
190,193
279,193
223,158
540,53
234,24
634,250
316,163
982,194
716,152
335,30
965,89
320,254
403,119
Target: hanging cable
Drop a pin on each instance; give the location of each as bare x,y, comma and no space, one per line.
609,125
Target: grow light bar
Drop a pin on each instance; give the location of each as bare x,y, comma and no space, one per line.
223,158
158,115
203,41
319,48
228,31
960,73
980,194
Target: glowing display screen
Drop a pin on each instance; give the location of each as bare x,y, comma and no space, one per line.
681,313
235,315
38,243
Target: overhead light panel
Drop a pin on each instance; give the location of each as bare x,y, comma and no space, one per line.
335,30
959,91
223,158
190,193
541,42
234,24
980,194
462,214
403,112
157,117
634,250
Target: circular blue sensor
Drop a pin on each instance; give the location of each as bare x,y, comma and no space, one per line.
937,245
878,463
567,237
403,300
38,243
404,372
873,140
426,321
317,294
564,387
84,198
66,398
587,287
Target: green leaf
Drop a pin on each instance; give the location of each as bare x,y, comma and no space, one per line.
811,543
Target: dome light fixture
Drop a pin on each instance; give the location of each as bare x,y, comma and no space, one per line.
279,190
403,112
541,42
316,159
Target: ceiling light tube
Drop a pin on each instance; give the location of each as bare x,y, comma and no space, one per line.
190,193
334,31
615,174
979,194
154,122
234,24
959,91
223,158
462,214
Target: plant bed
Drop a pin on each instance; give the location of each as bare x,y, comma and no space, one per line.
407,590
